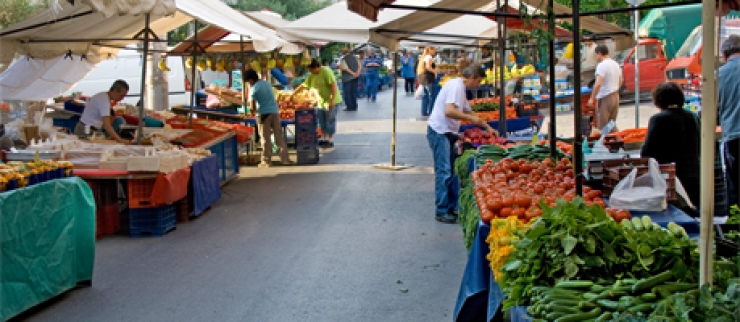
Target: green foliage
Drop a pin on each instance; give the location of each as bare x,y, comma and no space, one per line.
13,11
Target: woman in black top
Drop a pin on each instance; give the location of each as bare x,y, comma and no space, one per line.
673,137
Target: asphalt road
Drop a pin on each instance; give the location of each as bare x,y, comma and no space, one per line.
337,241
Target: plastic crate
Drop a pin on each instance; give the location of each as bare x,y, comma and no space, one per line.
72,107
68,123
140,193
152,221
108,220
184,209
306,117
306,139
105,192
616,170
308,155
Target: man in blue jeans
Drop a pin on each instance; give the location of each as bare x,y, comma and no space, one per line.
450,108
350,72
372,66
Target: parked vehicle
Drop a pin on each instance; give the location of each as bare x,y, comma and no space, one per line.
685,68
127,66
662,32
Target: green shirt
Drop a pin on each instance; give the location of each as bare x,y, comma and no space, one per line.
322,83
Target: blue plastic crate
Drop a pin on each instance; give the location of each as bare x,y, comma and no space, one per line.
152,221
68,124
72,107
308,155
306,117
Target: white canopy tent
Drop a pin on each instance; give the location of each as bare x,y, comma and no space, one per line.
81,30
468,28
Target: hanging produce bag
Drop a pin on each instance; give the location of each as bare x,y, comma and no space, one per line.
644,193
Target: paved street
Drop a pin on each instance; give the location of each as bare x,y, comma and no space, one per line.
337,241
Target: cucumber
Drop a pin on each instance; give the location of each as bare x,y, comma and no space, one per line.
606,316
628,281
564,293
560,298
648,283
586,305
677,287
644,308
574,284
609,294
609,305
647,223
554,316
628,300
647,297
637,223
626,289
627,224
598,288
677,230
564,303
581,316
590,296
561,309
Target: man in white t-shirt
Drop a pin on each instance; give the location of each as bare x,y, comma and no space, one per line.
450,108
589,61
97,113
606,89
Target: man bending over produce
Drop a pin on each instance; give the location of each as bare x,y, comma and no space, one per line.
450,108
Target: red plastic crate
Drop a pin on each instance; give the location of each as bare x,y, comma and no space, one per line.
108,220
140,193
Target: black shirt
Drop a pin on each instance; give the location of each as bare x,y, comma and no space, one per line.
673,137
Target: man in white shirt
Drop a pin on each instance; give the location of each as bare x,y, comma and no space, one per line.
606,89
450,108
589,61
97,113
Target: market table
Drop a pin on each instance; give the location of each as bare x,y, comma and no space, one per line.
47,242
545,98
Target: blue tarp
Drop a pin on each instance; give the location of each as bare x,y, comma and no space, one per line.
206,183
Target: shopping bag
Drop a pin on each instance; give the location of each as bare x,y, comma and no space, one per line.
419,92
644,193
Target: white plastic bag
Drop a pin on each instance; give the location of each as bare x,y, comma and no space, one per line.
419,92
644,193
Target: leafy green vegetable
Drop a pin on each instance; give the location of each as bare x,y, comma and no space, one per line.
734,218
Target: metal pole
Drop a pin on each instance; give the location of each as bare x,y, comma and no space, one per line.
551,85
577,112
242,69
502,66
637,69
708,114
395,109
194,47
140,130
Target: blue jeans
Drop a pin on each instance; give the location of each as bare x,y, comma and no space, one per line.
444,157
361,87
349,93
372,82
328,120
428,99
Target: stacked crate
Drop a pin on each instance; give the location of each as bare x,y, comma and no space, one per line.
107,218
306,137
145,217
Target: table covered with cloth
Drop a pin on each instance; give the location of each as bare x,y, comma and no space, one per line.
47,242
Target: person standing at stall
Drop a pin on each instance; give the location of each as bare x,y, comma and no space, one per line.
450,108
322,80
262,100
728,108
673,137
350,72
606,88
98,113
408,73
589,61
372,66
427,73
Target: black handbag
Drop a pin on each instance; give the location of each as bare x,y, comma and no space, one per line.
427,78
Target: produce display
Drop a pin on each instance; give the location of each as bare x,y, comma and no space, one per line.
504,232
16,174
565,147
516,152
476,136
630,135
581,244
490,104
225,95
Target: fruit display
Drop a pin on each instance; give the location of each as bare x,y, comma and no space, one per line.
494,116
492,75
18,174
225,95
301,99
565,147
526,70
476,136
630,135
484,104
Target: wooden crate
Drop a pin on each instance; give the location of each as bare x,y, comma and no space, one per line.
616,170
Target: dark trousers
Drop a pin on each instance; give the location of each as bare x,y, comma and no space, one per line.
349,89
732,161
409,86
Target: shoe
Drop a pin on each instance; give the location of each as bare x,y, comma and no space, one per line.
263,164
446,218
327,145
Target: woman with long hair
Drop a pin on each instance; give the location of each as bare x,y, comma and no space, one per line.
427,75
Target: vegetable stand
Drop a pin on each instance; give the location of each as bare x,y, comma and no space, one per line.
47,238
480,296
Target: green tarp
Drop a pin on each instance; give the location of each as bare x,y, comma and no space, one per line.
671,25
47,242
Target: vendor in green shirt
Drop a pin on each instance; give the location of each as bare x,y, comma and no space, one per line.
323,81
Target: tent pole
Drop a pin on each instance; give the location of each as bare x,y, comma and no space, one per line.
551,84
242,69
708,114
192,73
144,60
395,109
637,69
577,112
502,65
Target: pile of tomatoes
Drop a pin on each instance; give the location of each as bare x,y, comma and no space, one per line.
515,188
